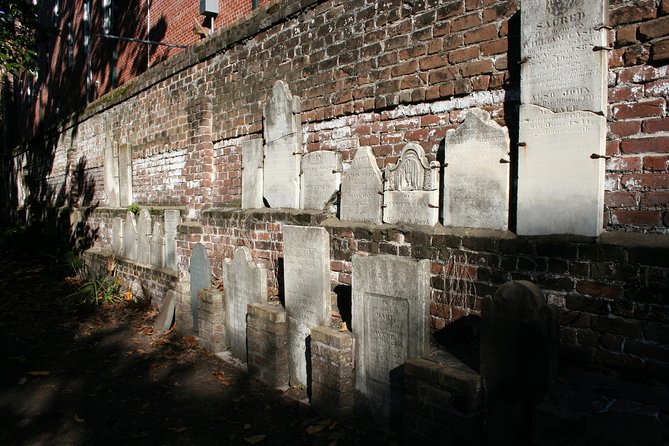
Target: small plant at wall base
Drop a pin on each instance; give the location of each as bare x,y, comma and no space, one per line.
105,289
134,208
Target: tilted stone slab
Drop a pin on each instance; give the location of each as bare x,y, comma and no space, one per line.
245,283
390,322
283,148
476,174
307,291
200,278
362,189
252,174
564,68
411,186
321,178
560,186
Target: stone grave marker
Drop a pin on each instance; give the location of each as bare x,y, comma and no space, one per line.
130,237
157,240
117,236
144,237
411,186
165,316
283,148
519,341
200,278
252,174
320,179
307,292
172,221
564,65
245,283
560,187
362,189
476,174
390,306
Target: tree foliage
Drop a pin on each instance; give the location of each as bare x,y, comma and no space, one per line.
19,34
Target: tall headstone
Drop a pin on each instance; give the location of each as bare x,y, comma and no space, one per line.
564,74
130,237
117,236
144,231
125,174
519,341
172,221
307,292
110,172
390,322
321,178
411,186
476,174
283,148
560,187
362,189
245,283
200,278
157,241
252,174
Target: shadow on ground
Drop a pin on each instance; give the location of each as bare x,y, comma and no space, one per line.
75,374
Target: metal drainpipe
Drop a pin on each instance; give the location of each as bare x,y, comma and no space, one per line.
148,33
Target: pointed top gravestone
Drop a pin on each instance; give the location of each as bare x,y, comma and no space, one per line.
283,148
245,283
321,177
144,237
130,237
476,174
411,189
200,278
362,189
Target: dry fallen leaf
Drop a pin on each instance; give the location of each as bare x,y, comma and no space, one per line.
177,429
314,429
220,376
77,419
247,426
255,439
343,327
23,380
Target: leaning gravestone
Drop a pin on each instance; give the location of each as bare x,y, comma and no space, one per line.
307,292
390,312
117,236
321,178
283,148
245,283
252,174
476,174
172,220
362,189
157,240
165,317
200,278
519,340
562,130
144,237
130,237
411,192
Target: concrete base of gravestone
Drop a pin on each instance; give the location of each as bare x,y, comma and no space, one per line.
443,399
183,312
519,339
267,337
165,317
332,369
211,321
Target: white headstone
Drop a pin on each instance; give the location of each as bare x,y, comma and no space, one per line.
411,186
390,312
564,68
307,291
130,237
252,174
560,187
157,240
200,278
144,237
117,236
321,177
245,283
476,174
362,189
110,173
283,148
172,221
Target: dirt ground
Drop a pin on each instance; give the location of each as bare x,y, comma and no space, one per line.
74,374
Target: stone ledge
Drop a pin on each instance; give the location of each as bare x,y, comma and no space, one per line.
273,313
303,217
162,270
332,337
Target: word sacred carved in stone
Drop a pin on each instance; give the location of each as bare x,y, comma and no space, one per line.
411,186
